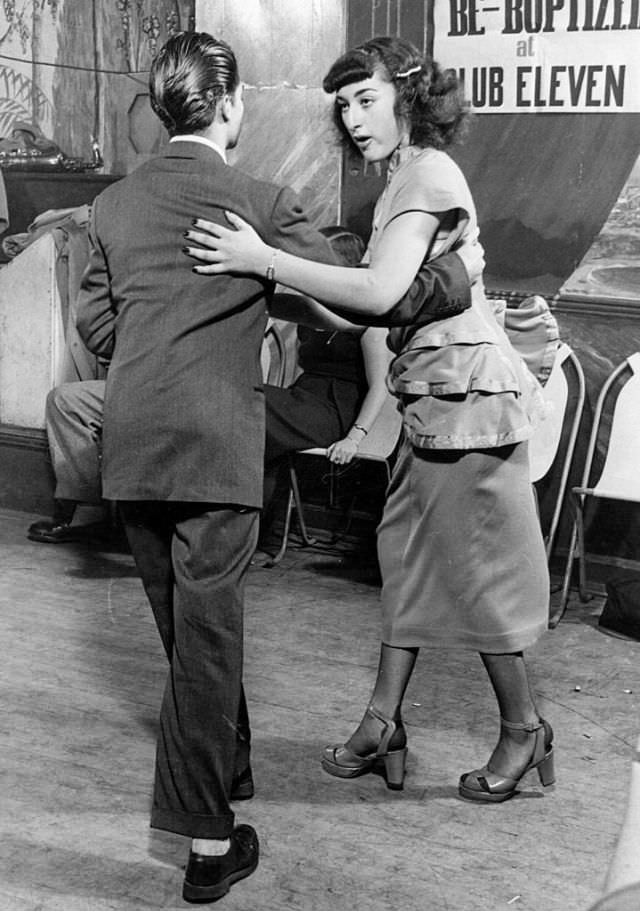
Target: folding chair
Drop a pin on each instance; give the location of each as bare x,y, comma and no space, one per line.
619,443
379,445
273,356
553,443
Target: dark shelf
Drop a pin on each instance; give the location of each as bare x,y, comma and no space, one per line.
30,193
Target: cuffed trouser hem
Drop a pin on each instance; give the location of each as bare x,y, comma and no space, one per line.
192,824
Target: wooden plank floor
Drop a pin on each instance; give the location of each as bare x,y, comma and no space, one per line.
81,679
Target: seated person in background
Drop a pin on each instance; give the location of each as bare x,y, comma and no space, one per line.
74,410
337,397
74,429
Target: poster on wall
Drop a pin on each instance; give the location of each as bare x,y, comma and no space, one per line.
542,56
545,57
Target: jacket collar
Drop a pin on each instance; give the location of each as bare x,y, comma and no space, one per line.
190,140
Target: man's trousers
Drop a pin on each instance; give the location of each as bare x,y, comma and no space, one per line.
193,559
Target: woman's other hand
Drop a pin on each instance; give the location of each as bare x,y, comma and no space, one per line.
341,452
472,255
220,249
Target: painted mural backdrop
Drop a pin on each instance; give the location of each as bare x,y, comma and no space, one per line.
284,48
23,28
75,69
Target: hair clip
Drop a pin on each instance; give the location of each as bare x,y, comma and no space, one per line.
414,69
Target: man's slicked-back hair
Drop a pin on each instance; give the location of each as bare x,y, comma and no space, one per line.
188,77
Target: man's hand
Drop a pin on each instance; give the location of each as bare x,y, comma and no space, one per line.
472,255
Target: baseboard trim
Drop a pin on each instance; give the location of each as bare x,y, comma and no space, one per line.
23,438
26,476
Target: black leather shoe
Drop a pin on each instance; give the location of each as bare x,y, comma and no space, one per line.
242,786
209,878
47,531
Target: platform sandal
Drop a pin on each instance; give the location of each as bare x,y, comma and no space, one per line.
342,762
486,784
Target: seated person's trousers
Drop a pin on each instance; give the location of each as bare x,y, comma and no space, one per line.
74,431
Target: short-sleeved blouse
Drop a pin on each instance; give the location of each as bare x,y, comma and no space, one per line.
460,382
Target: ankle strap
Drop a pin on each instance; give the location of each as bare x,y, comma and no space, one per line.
389,729
529,726
378,715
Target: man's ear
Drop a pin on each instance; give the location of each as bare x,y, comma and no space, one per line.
220,113
226,103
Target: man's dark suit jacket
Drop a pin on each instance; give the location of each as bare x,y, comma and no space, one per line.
184,406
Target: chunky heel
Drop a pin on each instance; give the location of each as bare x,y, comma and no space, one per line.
546,772
395,766
490,786
343,762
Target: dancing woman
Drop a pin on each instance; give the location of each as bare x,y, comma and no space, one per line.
460,548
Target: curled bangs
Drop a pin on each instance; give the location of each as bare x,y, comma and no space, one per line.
354,66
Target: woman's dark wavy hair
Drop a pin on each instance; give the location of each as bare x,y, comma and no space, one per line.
188,77
428,97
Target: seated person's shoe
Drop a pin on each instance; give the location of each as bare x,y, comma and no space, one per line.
58,528
72,521
209,878
48,531
242,785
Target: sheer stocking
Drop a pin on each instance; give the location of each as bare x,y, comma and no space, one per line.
508,676
394,671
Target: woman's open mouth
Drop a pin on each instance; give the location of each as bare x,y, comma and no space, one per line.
362,142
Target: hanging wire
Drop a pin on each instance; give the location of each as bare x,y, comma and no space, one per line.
72,66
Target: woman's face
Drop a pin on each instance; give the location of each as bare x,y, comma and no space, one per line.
367,111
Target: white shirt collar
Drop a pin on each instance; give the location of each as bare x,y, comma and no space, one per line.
190,137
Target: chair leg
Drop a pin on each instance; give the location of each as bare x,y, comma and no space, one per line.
333,485
558,614
277,557
347,520
294,501
582,559
295,492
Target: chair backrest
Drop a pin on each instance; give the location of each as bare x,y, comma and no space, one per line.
382,439
619,478
273,355
553,443
545,442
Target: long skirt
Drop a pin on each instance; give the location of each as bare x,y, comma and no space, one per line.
461,551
